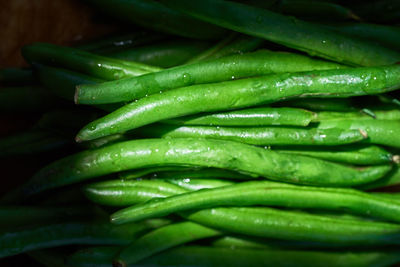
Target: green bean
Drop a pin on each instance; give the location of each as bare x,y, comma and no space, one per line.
82,61
28,99
356,155
319,104
304,36
111,44
383,34
381,132
390,179
233,44
194,152
298,226
200,256
125,193
260,136
217,70
154,15
162,239
261,116
15,76
165,55
186,173
391,114
265,193
243,93
52,235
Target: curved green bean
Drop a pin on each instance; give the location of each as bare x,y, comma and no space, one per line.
265,193
298,226
260,136
355,154
244,93
261,116
162,239
154,15
222,69
78,60
304,36
194,152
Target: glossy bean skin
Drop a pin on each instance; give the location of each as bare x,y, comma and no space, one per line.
249,117
265,193
304,36
125,193
353,154
61,234
233,44
200,256
243,93
223,69
162,239
390,179
260,136
194,152
381,132
81,61
156,16
297,226
164,55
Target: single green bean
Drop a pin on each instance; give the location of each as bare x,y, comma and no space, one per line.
162,239
82,61
233,44
381,132
222,69
261,136
354,154
265,193
194,152
288,31
298,226
261,116
164,55
197,184
154,15
244,93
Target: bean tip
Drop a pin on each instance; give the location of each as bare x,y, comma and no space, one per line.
78,139
363,133
396,159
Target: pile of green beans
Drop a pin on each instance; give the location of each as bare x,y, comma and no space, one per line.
209,140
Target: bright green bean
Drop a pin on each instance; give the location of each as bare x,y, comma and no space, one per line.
223,69
322,104
194,152
390,179
288,31
391,114
82,61
381,132
265,193
298,226
249,117
244,93
355,154
260,136
162,239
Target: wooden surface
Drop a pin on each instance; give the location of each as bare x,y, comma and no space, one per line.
56,21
